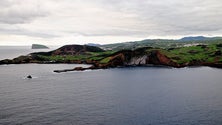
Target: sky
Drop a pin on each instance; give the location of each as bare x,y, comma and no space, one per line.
60,22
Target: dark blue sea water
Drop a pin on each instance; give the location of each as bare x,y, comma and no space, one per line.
119,96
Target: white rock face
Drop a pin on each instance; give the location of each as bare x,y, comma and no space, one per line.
138,60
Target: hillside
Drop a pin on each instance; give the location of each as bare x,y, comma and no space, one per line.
76,50
199,38
163,43
210,55
73,50
196,38
199,55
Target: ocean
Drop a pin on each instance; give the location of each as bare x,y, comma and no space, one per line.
117,96
10,52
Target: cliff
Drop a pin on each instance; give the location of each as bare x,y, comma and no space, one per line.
142,56
200,55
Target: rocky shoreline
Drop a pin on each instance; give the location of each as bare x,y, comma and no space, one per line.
139,57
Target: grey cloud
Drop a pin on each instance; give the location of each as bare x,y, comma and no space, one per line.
18,12
193,16
5,3
24,32
16,17
114,32
139,18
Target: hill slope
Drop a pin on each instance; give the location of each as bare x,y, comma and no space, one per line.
162,43
200,55
76,50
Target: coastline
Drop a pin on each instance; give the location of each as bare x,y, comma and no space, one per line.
200,55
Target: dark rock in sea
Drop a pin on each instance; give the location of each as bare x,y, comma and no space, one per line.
68,70
78,69
29,77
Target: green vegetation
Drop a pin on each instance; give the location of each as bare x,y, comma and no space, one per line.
159,43
91,56
169,52
203,53
105,60
61,57
181,55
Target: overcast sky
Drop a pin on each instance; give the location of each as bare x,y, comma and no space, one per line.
59,22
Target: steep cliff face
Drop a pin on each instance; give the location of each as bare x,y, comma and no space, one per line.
141,60
132,58
157,58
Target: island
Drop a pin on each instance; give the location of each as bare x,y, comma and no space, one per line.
39,46
196,55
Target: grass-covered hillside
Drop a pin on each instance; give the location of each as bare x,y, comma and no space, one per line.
209,54
89,56
202,53
163,43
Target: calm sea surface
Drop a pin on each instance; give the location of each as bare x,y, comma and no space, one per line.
119,96
10,52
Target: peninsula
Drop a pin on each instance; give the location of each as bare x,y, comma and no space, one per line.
195,55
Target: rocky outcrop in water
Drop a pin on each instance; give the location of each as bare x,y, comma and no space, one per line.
39,46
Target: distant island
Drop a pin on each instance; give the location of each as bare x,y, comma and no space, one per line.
39,46
173,54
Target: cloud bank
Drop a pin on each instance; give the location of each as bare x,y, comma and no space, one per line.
102,21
